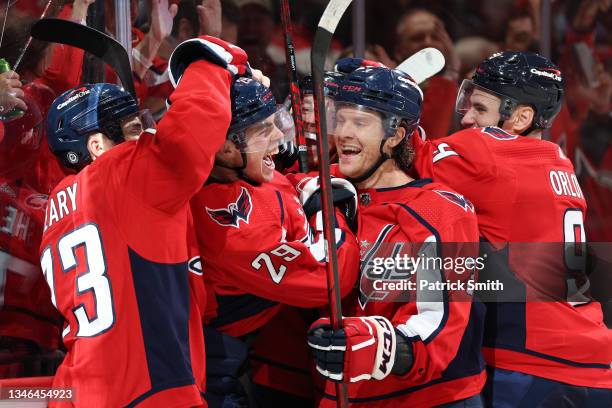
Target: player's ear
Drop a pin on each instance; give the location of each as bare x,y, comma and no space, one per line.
394,140
227,153
95,145
522,118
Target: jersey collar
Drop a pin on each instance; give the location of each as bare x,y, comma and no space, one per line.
368,196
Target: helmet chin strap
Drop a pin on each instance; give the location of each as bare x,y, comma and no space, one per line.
393,123
383,157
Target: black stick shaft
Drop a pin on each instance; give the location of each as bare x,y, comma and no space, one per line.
329,21
296,99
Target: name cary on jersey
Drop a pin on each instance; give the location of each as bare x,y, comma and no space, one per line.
60,205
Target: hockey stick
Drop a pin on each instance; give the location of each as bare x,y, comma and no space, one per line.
423,64
91,40
322,40
296,99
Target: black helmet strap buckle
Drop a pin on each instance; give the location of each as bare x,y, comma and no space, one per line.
506,107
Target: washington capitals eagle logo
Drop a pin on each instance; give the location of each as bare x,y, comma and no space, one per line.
234,212
457,199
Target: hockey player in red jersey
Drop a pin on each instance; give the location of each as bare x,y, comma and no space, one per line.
409,347
548,343
255,240
308,115
133,334
286,159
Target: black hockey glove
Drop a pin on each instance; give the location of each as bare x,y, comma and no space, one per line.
344,198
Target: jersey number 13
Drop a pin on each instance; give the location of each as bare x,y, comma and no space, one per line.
93,278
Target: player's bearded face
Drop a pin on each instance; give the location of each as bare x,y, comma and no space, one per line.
262,143
358,135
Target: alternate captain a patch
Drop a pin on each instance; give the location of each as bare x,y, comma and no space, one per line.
234,212
457,199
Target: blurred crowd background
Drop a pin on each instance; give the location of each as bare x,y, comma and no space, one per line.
576,34
577,37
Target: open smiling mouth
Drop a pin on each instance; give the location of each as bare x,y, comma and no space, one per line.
349,151
268,161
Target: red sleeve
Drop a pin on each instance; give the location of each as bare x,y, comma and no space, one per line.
269,259
436,328
177,159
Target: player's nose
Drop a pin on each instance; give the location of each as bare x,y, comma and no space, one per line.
468,119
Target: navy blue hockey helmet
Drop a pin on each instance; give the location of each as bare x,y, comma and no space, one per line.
390,92
81,111
518,78
252,102
332,81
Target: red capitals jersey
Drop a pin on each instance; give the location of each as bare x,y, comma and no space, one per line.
530,207
26,311
445,328
259,251
115,254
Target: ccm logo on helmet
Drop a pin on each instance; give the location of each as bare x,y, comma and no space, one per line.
351,88
73,98
552,75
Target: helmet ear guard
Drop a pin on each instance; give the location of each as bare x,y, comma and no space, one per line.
506,107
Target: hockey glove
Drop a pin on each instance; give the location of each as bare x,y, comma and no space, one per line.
287,155
366,348
211,49
344,198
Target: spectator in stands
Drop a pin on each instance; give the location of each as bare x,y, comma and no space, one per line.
30,326
521,32
418,29
586,134
255,32
11,94
192,17
471,51
186,24
230,18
